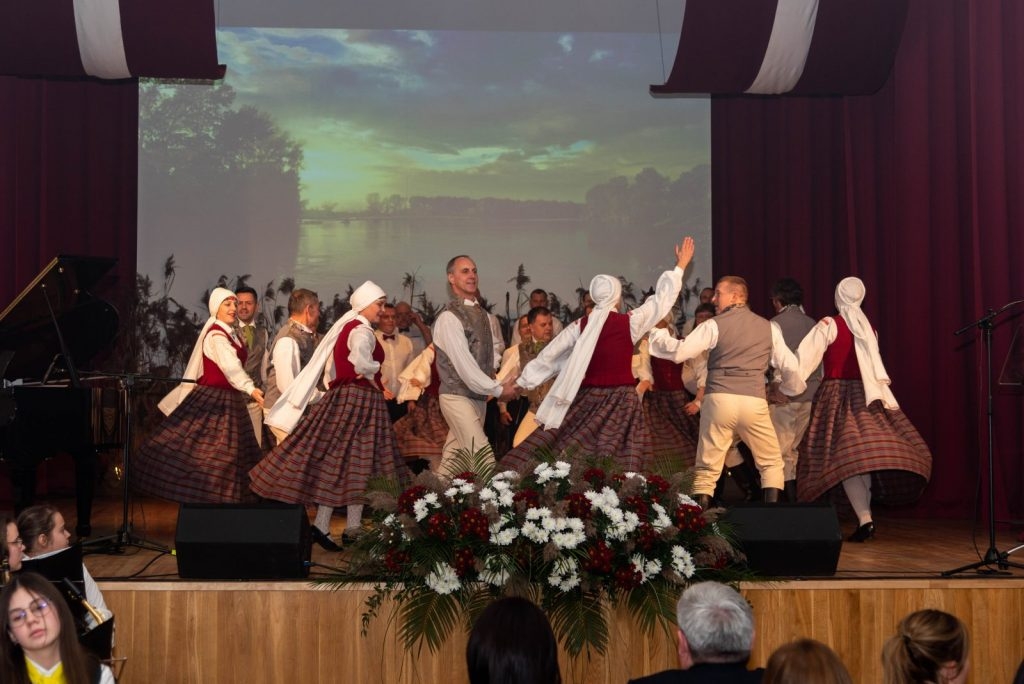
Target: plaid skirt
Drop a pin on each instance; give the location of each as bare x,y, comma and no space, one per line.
602,421
673,433
422,431
202,452
847,438
338,445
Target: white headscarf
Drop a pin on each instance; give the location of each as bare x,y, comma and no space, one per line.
605,290
849,295
194,367
293,401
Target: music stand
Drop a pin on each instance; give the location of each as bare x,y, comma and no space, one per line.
124,537
993,556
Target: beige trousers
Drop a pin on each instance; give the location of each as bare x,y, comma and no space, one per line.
465,418
790,421
723,417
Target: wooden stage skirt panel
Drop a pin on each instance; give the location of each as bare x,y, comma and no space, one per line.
256,632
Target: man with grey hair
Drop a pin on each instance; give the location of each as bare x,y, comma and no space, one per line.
716,633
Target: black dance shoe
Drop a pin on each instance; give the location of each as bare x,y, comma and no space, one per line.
863,533
323,540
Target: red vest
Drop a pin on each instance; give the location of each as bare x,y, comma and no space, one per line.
345,371
668,376
611,364
840,360
213,376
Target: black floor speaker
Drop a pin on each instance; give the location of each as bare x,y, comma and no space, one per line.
239,541
788,539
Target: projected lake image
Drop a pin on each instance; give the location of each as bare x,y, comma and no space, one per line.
335,156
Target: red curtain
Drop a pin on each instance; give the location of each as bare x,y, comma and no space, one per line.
917,190
68,177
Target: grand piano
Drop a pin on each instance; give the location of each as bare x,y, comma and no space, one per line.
53,328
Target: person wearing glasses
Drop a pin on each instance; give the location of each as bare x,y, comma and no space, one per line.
12,552
37,649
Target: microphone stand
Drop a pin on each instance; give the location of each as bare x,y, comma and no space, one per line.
114,544
992,556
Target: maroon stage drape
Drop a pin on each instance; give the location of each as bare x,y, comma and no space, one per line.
918,190
68,177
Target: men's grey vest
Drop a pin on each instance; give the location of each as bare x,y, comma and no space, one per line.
306,342
528,351
254,362
478,336
795,325
738,362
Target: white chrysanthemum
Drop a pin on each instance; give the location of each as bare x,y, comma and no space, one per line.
684,499
487,495
536,533
661,519
564,574
422,507
546,471
391,521
506,499
682,562
570,534
442,579
630,475
501,535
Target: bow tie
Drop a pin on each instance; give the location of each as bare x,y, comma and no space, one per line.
403,330
389,337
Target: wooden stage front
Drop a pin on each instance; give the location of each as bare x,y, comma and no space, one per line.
173,630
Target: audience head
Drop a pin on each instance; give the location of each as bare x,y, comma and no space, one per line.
805,661
703,313
542,323
538,298
13,547
247,298
512,643
729,291
38,624
787,292
706,295
304,306
716,625
43,530
929,646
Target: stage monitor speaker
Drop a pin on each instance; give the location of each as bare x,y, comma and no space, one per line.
240,541
788,539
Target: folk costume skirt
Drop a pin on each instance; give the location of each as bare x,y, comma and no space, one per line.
337,446
202,452
847,438
422,431
602,422
673,433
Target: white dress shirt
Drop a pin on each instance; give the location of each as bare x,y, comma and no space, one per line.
450,337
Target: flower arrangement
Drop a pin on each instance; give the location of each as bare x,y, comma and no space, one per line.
574,535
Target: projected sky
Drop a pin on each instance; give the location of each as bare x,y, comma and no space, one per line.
334,156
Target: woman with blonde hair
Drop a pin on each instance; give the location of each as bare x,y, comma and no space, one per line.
805,661
930,646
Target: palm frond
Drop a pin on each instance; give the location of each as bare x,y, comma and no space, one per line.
580,622
430,617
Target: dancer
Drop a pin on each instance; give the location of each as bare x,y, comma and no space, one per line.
346,438
593,405
422,431
858,437
206,444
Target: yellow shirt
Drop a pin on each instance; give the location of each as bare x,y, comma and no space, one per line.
37,675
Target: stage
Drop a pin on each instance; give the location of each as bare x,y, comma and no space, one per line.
174,630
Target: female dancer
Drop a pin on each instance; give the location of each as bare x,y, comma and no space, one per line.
858,437
204,449
346,437
593,405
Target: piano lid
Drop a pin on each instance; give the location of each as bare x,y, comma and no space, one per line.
28,339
